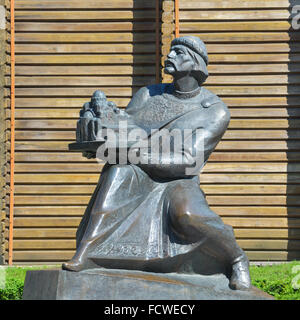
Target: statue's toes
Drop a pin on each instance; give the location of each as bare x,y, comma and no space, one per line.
72,266
237,284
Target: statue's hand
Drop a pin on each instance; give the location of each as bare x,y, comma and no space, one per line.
89,154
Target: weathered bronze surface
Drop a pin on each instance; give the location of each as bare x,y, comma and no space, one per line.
152,216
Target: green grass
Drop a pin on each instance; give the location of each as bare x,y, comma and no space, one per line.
276,280
14,281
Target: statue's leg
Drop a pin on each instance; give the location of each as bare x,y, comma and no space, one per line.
193,220
119,188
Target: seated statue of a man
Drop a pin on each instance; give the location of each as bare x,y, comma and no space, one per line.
152,215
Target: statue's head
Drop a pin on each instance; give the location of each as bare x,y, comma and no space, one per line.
188,55
98,98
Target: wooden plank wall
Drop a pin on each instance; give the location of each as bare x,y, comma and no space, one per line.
253,179
65,50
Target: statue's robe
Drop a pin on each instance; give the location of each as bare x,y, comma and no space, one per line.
128,222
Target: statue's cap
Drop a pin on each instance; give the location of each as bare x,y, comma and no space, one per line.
99,94
194,43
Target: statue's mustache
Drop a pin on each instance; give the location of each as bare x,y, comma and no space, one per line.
169,62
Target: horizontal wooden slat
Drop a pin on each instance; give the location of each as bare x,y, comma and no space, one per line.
252,47
83,81
48,200
73,102
86,26
93,81
51,156
242,189
261,134
262,222
54,210
43,256
67,233
68,189
263,200
275,244
237,200
40,210
209,167
54,102
60,167
223,145
85,70
87,15
51,113
235,26
263,14
267,113
44,244
139,37
65,210
46,222
234,4
279,90
281,233
56,48
244,37
57,178
83,37
33,233
146,48
261,211
147,59
87,178
229,135
45,135
86,59
215,156
80,92
88,4
93,70
190,4
273,255
254,156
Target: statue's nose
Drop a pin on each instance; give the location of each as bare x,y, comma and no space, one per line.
171,54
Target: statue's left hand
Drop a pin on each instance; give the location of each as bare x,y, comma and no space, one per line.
89,154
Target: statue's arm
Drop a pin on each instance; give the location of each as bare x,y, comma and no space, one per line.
194,152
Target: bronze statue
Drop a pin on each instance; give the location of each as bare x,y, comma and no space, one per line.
152,215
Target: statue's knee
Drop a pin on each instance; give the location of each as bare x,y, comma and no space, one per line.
181,218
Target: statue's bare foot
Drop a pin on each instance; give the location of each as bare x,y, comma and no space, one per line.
73,265
240,277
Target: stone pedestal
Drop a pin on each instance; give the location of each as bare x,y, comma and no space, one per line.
108,284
